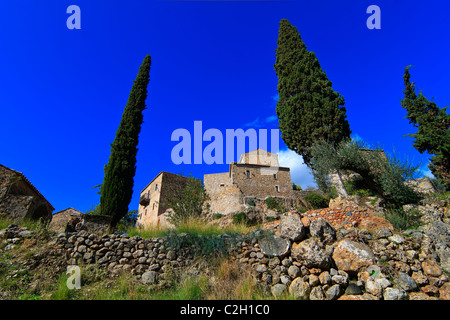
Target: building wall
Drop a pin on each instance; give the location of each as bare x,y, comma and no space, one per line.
148,214
252,182
225,196
20,199
260,157
157,211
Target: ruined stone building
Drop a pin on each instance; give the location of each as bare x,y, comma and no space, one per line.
19,198
421,185
153,209
257,175
62,218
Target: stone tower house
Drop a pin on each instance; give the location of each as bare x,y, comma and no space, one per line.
257,175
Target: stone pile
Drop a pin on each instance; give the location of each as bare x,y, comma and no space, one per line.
14,235
316,262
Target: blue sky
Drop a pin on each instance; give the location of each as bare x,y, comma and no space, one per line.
63,91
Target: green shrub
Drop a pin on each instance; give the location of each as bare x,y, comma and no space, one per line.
241,218
316,200
272,203
251,203
401,220
216,216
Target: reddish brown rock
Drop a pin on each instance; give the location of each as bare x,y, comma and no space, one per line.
444,291
351,256
431,268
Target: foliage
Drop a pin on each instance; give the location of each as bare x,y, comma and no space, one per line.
308,108
401,220
433,130
216,216
381,174
316,200
117,187
241,218
296,186
187,200
355,187
271,203
128,221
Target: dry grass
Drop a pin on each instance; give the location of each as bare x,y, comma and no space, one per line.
232,282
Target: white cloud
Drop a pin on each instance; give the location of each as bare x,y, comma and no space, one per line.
427,173
257,123
300,173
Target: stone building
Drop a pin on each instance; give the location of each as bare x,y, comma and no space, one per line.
71,220
62,218
19,198
257,175
153,209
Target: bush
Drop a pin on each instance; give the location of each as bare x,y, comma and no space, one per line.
355,187
272,203
216,216
316,200
188,202
241,218
401,220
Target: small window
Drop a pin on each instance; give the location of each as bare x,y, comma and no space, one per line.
275,176
277,188
222,184
156,187
154,205
247,174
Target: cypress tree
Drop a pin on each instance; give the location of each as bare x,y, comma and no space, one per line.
308,108
117,187
433,129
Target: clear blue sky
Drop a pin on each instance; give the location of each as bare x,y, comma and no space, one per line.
62,92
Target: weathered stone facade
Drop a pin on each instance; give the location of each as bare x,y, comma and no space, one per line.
153,209
62,218
19,198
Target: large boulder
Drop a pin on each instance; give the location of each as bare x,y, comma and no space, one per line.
273,246
351,256
300,289
405,282
322,230
291,227
311,254
149,277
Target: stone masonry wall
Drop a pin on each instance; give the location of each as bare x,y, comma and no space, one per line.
225,197
259,185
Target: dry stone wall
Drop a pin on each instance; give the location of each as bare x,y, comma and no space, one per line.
311,260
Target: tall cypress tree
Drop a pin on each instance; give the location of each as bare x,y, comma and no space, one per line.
433,129
308,108
117,187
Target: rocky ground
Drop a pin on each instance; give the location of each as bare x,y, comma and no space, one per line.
346,252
